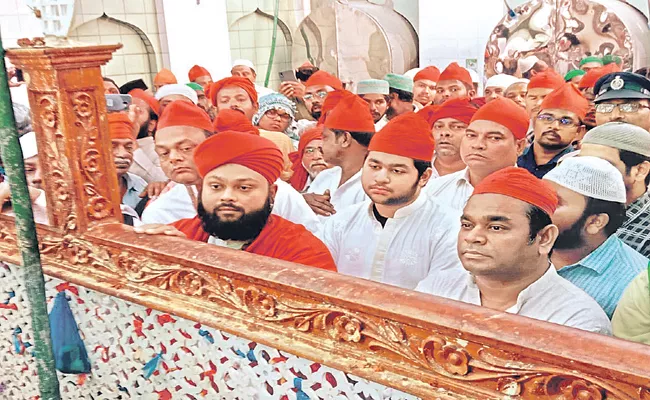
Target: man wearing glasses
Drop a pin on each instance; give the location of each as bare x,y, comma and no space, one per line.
623,97
558,125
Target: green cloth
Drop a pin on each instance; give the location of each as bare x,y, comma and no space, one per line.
608,59
573,73
372,86
195,86
399,82
591,59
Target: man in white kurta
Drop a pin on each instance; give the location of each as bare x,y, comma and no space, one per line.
398,236
504,244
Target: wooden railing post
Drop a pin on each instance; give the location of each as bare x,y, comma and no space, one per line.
66,96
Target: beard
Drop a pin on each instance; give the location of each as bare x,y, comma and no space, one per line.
144,130
402,199
573,237
390,112
316,114
247,227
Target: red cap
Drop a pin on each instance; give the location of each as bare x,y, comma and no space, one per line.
120,126
568,98
460,108
197,72
548,79
233,120
331,101
164,77
430,73
351,114
407,135
229,147
184,113
322,78
507,113
300,175
520,184
592,76
146,97
215,87
455,72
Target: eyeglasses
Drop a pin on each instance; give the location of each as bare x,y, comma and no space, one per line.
549,119
626,108
275,114
321,95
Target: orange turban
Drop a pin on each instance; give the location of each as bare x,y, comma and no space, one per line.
184,113
407,135
215,87
164,77
549,79
430,73
351,114
592,76
507,113
322,78
147,98
299,178
331,101
120,126
197,72
568,98
455,72
233,120
252,151
462,109
520,184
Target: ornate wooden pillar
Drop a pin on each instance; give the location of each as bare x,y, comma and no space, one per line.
66,96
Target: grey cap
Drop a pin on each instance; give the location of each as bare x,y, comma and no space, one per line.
399,82
622,136
372,86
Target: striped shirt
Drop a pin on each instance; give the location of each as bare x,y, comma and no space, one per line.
635,232
605,272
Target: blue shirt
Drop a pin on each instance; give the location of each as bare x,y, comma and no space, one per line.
134,186
527,161
606,272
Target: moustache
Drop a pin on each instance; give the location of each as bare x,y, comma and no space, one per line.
229,205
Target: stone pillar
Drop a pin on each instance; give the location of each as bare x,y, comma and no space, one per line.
66,96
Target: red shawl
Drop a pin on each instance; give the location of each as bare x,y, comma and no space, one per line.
279,239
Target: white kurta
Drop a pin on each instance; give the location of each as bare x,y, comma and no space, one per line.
551,298
177,204
451,190
419,240
349,193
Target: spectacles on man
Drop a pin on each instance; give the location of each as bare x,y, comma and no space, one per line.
321,95
563,121
626,108
275,114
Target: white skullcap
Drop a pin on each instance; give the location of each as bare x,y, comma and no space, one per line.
28,145
474,75
591,177
177,88
500,81
243,63
525,64
622,136
412,72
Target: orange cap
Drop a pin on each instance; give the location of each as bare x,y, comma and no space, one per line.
407,135
184,113
567,97
351,114
120,126
197,72
548,79
455,72
322,78
430,73
164,77
507,113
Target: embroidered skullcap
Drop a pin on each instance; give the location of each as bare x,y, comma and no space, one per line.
591,177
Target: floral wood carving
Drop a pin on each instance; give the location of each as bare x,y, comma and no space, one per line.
434,353
95,193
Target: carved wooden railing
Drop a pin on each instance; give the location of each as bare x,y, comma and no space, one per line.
420,344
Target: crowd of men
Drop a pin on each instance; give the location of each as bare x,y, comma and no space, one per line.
532,199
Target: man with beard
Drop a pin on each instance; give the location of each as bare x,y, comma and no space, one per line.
424,85
348,130
586,86
200,76
448,122
623,97
401,95
376,93
317,88
587,251
308,161
494,138
627,147
504,244
146,163
239,172
455,81
294,90
180,130
557,126
399,236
